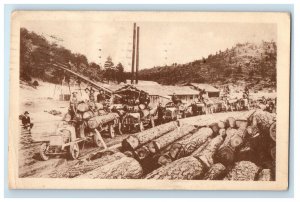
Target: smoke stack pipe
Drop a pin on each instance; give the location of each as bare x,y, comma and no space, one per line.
137,55
133,54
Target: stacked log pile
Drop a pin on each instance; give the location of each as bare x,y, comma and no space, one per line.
225,147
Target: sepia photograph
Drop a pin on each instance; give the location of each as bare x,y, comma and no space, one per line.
149,100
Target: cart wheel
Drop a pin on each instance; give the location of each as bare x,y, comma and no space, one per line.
152,123
74,151
111,131
142,126
43,149
97,139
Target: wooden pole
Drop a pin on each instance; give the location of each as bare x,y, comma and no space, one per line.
133,53
137,55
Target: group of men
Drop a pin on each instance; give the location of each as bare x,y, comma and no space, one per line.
89,98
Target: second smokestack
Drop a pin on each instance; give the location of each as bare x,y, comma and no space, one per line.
137,55
133,54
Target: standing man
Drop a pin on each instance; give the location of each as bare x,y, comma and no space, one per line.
27,122
73,105
194,109
160,114
100,97
85,96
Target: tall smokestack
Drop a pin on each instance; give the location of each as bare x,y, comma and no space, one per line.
133,54
137,55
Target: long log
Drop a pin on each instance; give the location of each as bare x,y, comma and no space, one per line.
137,140
186,168
86,166
124,168
164,158
98,121
163,141
263,120
234,140
207,154
243,171
186,147
202,147
216,172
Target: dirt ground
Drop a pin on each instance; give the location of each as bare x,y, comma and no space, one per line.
38,102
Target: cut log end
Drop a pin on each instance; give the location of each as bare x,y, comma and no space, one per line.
231,122
164,160
175,150
130,143
153,147
142,153
225,155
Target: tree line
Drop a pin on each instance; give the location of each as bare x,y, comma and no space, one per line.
37,55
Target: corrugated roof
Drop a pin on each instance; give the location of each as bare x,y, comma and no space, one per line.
161,90
206,87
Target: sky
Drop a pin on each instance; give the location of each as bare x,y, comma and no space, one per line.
161,43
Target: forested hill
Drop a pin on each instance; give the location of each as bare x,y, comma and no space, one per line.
243,62
37,54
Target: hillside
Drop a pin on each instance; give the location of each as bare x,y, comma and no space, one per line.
244,62
37,54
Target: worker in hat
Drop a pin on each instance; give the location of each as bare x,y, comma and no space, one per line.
26,121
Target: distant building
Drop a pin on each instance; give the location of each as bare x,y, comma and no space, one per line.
209,90
162,93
